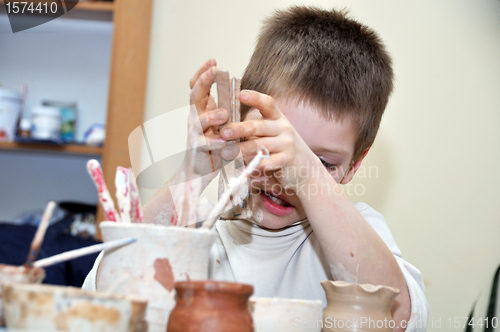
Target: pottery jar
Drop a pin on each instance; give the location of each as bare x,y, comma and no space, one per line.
285,315
205,306
20,274
358,307
149,267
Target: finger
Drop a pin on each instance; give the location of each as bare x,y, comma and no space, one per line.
251,147
261,127
203,68
274,162
213,118
200,94
230,152
264,103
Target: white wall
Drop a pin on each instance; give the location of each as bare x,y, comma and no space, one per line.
434,164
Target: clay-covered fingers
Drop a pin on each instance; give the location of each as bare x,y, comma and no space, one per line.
200,93
264,103
249,149
213,118
203,68
251,128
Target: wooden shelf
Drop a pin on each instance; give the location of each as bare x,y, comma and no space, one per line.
68,148
98,6
103,6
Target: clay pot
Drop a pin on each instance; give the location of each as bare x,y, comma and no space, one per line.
285,315
358,307
21,274
204,306
56,308
149,267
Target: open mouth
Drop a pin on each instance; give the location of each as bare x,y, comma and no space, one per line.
276,205
276,199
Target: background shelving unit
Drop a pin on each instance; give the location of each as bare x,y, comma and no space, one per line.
125,96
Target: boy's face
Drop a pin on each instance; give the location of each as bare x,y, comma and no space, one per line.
332,141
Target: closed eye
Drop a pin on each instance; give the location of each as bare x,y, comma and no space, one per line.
329,167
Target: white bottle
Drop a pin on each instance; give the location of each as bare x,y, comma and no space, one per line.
46,123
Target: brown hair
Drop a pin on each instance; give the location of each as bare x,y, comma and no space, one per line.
328,60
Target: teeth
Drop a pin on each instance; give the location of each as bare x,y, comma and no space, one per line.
276,199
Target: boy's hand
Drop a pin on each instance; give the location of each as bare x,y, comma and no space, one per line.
273,131
205,116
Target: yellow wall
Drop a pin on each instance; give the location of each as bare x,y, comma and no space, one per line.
434,166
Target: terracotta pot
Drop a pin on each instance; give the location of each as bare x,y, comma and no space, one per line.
285,315
56,308
358,307
204,306
21,274
149,267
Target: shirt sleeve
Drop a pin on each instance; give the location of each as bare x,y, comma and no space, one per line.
413,277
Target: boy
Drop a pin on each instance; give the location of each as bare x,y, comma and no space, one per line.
313,94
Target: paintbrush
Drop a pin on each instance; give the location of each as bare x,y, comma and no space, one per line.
36,244
68,255
234,185
95,172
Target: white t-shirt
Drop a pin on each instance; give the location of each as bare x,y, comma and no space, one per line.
289,262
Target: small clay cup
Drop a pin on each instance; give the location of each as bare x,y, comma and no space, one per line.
20,274
209,305
358,307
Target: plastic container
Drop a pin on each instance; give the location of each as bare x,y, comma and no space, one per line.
46,123
10,106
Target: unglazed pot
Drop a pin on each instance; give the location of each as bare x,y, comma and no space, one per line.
358,307
20,274
205,306
149,267
55,308
285,315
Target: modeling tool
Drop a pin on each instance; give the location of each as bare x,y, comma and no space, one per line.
234,185
95,172
36,244
68,255
223,94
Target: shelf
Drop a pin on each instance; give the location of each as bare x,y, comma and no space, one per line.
104,6
68,148
98,6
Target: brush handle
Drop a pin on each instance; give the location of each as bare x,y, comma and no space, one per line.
95,172
234,185
36,244
123,193
137,213
68,255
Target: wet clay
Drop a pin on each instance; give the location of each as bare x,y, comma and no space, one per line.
164,274
351,307
211,306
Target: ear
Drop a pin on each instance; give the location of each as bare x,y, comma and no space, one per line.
350,174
